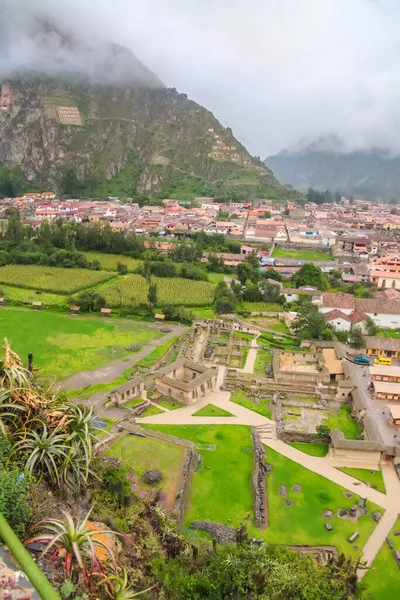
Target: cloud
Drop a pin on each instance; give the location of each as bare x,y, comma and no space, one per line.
279,72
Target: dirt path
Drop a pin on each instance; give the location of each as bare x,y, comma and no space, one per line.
116,368
252,355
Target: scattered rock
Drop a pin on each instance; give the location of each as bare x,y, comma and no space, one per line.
396,533
357,483
165,329
389,543
377,517
152,477
133,348
342,512
347,494
268,468
328,527
327,514
296,488
282,491
221,533
288,502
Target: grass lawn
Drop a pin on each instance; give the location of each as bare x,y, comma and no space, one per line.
261,307
216,277
222,491
212,411
63,345
169,405
341,420
309,255
304,399
311,449
245,353
280,327
131,403
157,353
261,408
140,454
374,479
151,410
264,357
302,523
383,580
206,312
25,296
105,430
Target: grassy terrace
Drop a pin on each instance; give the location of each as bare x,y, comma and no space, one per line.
63,345
374,478
212,411
158,353
307,255
311,449
261,408
221,492
264,357
341,420
383,579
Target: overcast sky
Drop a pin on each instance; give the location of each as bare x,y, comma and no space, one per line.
279,72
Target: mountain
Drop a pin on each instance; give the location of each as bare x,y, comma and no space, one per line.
88,118
372,175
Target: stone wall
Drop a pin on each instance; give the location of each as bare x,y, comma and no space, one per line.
258,482
183,491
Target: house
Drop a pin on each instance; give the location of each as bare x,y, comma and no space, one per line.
395,414
385,279
125,392
185,381
384,313
380,346
344,322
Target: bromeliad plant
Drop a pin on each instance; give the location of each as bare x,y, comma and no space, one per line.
51,436
118,587
76,539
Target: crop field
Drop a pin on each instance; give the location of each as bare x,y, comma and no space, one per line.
52,279
109,262
174,290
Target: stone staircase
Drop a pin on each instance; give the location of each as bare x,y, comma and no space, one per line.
267,431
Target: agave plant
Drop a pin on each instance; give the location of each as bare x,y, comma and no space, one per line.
8,411
48,451
75,539
118,588
79,422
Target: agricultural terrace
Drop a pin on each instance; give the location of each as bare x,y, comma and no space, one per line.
221,492
52,279
174,290
308,255
109,262
63,345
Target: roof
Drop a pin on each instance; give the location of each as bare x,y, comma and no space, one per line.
105,311
338,300
159,316
389,294
336,314
37,303
203,374
332,363
387,370
130,384
394,411
75,308
381,343
385,274
387,307
387,387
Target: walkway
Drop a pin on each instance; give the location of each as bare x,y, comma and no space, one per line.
116,368
252,355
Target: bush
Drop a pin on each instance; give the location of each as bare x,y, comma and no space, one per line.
14,487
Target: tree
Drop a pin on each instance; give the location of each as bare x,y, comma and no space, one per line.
90,300
370,327
357,338
311,324
273,274
310,274
152,295
267,215
122,268
323,432
252,292
244,272
225,299
253,260
271,292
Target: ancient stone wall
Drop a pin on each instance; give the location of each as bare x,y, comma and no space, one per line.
258,483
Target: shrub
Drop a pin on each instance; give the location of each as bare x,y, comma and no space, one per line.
14,488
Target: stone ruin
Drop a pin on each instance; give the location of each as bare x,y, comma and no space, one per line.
152,477
258,483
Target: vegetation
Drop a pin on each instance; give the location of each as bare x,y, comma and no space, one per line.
308,255
341,420
51,279
157,354
109,262
65,345
311,448
373,478
133,290
212,411
264,357
383,579
262,407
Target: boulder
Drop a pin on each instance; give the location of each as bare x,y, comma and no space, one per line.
152,477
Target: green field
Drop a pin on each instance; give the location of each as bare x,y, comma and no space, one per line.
262,408
341,420
383,579
205,312
151,410
264,357
24,296
169,405
109,262
139,454
52,279
260,307
391,333
308,255
374,479
212,411
221,491
311,449
170,290
157,353
63,345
